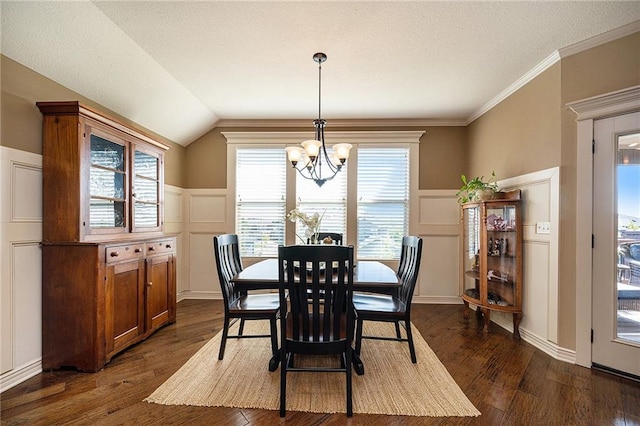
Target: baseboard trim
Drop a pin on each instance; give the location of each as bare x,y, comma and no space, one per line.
19,375
200,295
438,300
550,348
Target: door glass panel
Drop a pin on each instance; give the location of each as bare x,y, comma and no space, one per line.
628,238
107,184
146,214
501,259
146,190
106,213
106,153
146,165
472,252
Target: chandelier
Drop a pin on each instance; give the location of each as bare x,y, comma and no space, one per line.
313,155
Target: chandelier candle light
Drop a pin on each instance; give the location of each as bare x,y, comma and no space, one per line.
313,154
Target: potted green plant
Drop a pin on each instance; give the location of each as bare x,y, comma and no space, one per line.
477,189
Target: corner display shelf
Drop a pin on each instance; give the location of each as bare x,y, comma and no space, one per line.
108,270
492,258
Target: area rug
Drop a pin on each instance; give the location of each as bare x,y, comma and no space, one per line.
391,385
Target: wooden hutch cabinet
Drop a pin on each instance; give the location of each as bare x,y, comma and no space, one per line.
492,258
108,270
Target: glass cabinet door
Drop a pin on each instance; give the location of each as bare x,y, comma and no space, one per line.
146,190
471,257
107,184
501,255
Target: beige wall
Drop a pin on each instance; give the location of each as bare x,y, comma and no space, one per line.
442,155
533,130
521,134
21,121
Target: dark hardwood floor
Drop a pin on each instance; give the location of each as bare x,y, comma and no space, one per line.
510,382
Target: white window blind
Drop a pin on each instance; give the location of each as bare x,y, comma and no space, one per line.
383,201
329,201
260,200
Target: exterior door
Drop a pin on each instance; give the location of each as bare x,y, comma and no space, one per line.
616,212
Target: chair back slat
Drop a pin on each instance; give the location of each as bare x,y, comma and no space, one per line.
316,286
408,268
228,262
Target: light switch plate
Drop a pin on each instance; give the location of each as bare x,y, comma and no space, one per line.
543,227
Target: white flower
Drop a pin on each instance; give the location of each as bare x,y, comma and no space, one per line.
311,223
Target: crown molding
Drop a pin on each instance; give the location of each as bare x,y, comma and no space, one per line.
368,123
552,59
600,39
515,86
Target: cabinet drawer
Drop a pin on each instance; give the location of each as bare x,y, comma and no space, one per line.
160,247
124,252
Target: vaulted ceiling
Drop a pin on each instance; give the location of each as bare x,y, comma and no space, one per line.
180,67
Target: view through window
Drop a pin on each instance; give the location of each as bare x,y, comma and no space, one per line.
381,200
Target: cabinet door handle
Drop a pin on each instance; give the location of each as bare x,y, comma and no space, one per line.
114,254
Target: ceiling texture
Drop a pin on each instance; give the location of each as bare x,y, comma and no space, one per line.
181,68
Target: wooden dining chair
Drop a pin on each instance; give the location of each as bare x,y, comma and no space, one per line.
394,308
316,291
239,305
336,237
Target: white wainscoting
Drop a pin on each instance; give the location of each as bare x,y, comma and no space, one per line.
21,265
21,261
194,216
173,225
207,213
539,326
439,226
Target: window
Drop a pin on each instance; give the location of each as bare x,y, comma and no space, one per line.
260,200
368,201
329,200
383,201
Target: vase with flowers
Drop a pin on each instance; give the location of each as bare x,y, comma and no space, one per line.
311,224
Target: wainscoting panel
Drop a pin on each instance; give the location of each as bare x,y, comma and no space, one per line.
173,225
439,209
208,207
438,223
27,298
540,191
439,269
535,298
206,210
203,278
20,266
26,207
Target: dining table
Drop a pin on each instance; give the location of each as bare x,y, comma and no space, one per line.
368,276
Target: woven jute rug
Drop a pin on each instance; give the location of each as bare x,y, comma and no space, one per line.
391,385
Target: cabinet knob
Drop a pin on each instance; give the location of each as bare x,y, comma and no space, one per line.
114,254
152,248
137,250
169,246
150,283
